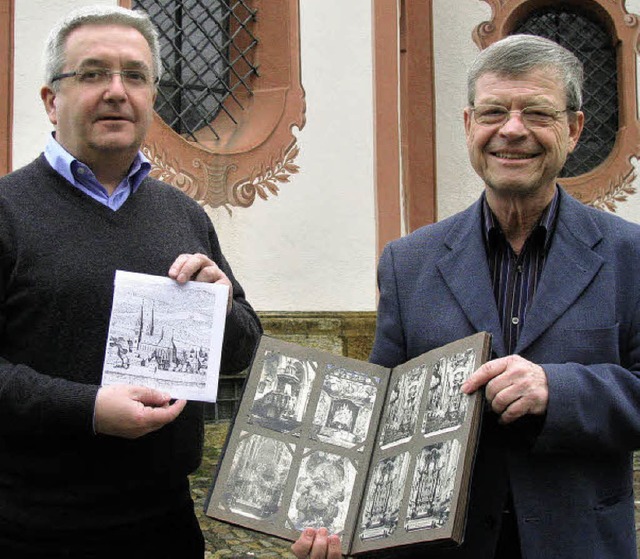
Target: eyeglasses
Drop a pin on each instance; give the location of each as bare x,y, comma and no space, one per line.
532,117
101,77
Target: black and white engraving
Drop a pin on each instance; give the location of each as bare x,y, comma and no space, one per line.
382,504
322,492
343,413
432,486
258,476
403,407
282,394
166,335
447,404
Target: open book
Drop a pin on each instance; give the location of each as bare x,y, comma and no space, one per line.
381,457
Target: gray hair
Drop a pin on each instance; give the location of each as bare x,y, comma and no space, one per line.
54,52
516,55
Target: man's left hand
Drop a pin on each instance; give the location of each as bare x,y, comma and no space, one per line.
199,267
317,544
514,387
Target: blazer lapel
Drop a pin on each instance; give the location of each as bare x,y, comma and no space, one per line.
465,271
570,267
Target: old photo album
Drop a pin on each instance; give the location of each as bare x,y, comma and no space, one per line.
166,335
382,457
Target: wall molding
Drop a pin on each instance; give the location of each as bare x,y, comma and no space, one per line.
6,84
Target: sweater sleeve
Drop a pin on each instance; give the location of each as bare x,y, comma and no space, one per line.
34,403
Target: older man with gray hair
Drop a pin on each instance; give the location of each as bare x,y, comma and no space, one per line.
556,284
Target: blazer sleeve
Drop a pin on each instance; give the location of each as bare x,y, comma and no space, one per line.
593,375
592,407
389,346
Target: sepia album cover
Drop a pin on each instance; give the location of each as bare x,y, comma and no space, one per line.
166,335
381,457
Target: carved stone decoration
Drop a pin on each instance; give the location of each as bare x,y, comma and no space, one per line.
209,182
611,182
265,181
254,154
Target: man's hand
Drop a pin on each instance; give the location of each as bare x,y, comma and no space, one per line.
199,267
316,544
514,387
133,411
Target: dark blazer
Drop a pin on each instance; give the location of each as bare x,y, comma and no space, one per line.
571,471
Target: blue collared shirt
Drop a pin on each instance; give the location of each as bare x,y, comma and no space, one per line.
80,176
515,277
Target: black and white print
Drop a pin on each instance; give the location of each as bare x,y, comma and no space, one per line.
282,393
345,405
448,405
384,495
165,335
403,408
322,492
258,476
432,486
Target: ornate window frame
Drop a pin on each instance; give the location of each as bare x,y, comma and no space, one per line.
610,182
256,155
6,84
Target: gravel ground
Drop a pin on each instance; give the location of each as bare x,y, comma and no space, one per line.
223,540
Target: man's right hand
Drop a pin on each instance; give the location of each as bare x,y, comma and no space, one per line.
133,411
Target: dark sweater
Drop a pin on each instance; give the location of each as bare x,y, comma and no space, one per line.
59,250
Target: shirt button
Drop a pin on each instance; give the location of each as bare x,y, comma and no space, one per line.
515,320
81,170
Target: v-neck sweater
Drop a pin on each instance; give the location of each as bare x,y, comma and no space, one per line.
59,250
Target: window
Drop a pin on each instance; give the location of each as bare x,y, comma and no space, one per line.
230,98
207,55
588,39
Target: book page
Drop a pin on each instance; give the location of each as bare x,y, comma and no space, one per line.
166,335
300,446
421,465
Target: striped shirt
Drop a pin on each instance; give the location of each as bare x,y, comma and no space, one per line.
515,277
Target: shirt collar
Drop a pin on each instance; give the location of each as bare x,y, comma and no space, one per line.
67,165
545,225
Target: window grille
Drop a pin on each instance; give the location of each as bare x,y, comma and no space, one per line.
230,389
207,56
591,43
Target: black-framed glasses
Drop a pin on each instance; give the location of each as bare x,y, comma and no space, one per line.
532,117
101,77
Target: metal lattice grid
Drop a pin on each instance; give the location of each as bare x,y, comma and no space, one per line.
206,57
591,43
230,388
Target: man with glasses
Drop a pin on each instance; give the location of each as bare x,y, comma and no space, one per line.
556,284
90,472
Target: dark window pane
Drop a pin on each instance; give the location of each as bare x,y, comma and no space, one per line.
205,48
591,43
